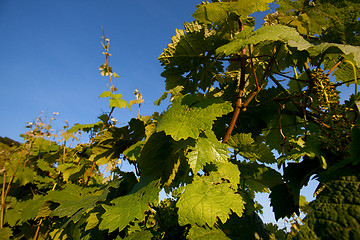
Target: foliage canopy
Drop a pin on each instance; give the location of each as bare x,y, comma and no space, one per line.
252,110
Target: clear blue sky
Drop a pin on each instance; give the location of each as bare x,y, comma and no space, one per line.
50,52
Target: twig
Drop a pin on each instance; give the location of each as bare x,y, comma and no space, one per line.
37,230
238,103
139,111
89,176
281,131
335,66
3,202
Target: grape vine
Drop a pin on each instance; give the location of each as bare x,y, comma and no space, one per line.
242,101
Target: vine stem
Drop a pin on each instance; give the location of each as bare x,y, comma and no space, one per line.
2,202
5,193
89,176
38,230
238,103
355,77
281,131
139,111
241,90
334,67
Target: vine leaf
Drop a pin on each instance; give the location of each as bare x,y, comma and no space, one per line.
203,203
207,149
185,59
219,11
24,175
71,171
75,200
249,149
114,141
160,158
85,127
331,47
22,211
266,34
224,170
336,212
133,152
346,71
205,233
285,197
115,100
92,221
130,207
5,233
354,147
175,92
188,116
140,235
259,178
282,201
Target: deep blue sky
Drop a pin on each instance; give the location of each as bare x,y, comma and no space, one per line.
50,52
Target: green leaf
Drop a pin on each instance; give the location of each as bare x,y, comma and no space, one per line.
185,59
249,149
130,207
336,212
208,149
205,233
105,70
43,145
285,197
248,226
45,166
328,21
259,177
137,101
346,71
219,11
354,147
92,221
75,200
133,152
85,127
348,50
266,34
31,208
115,141
5,233
115,100
189,115
106,94
161,157
282,201
24,175
175,92
204,202
224,170
140,235
71,171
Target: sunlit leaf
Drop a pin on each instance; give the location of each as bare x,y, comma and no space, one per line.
129,207
188,116
207,149
203,202
205,233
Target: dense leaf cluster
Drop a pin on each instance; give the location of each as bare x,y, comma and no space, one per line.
252,111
